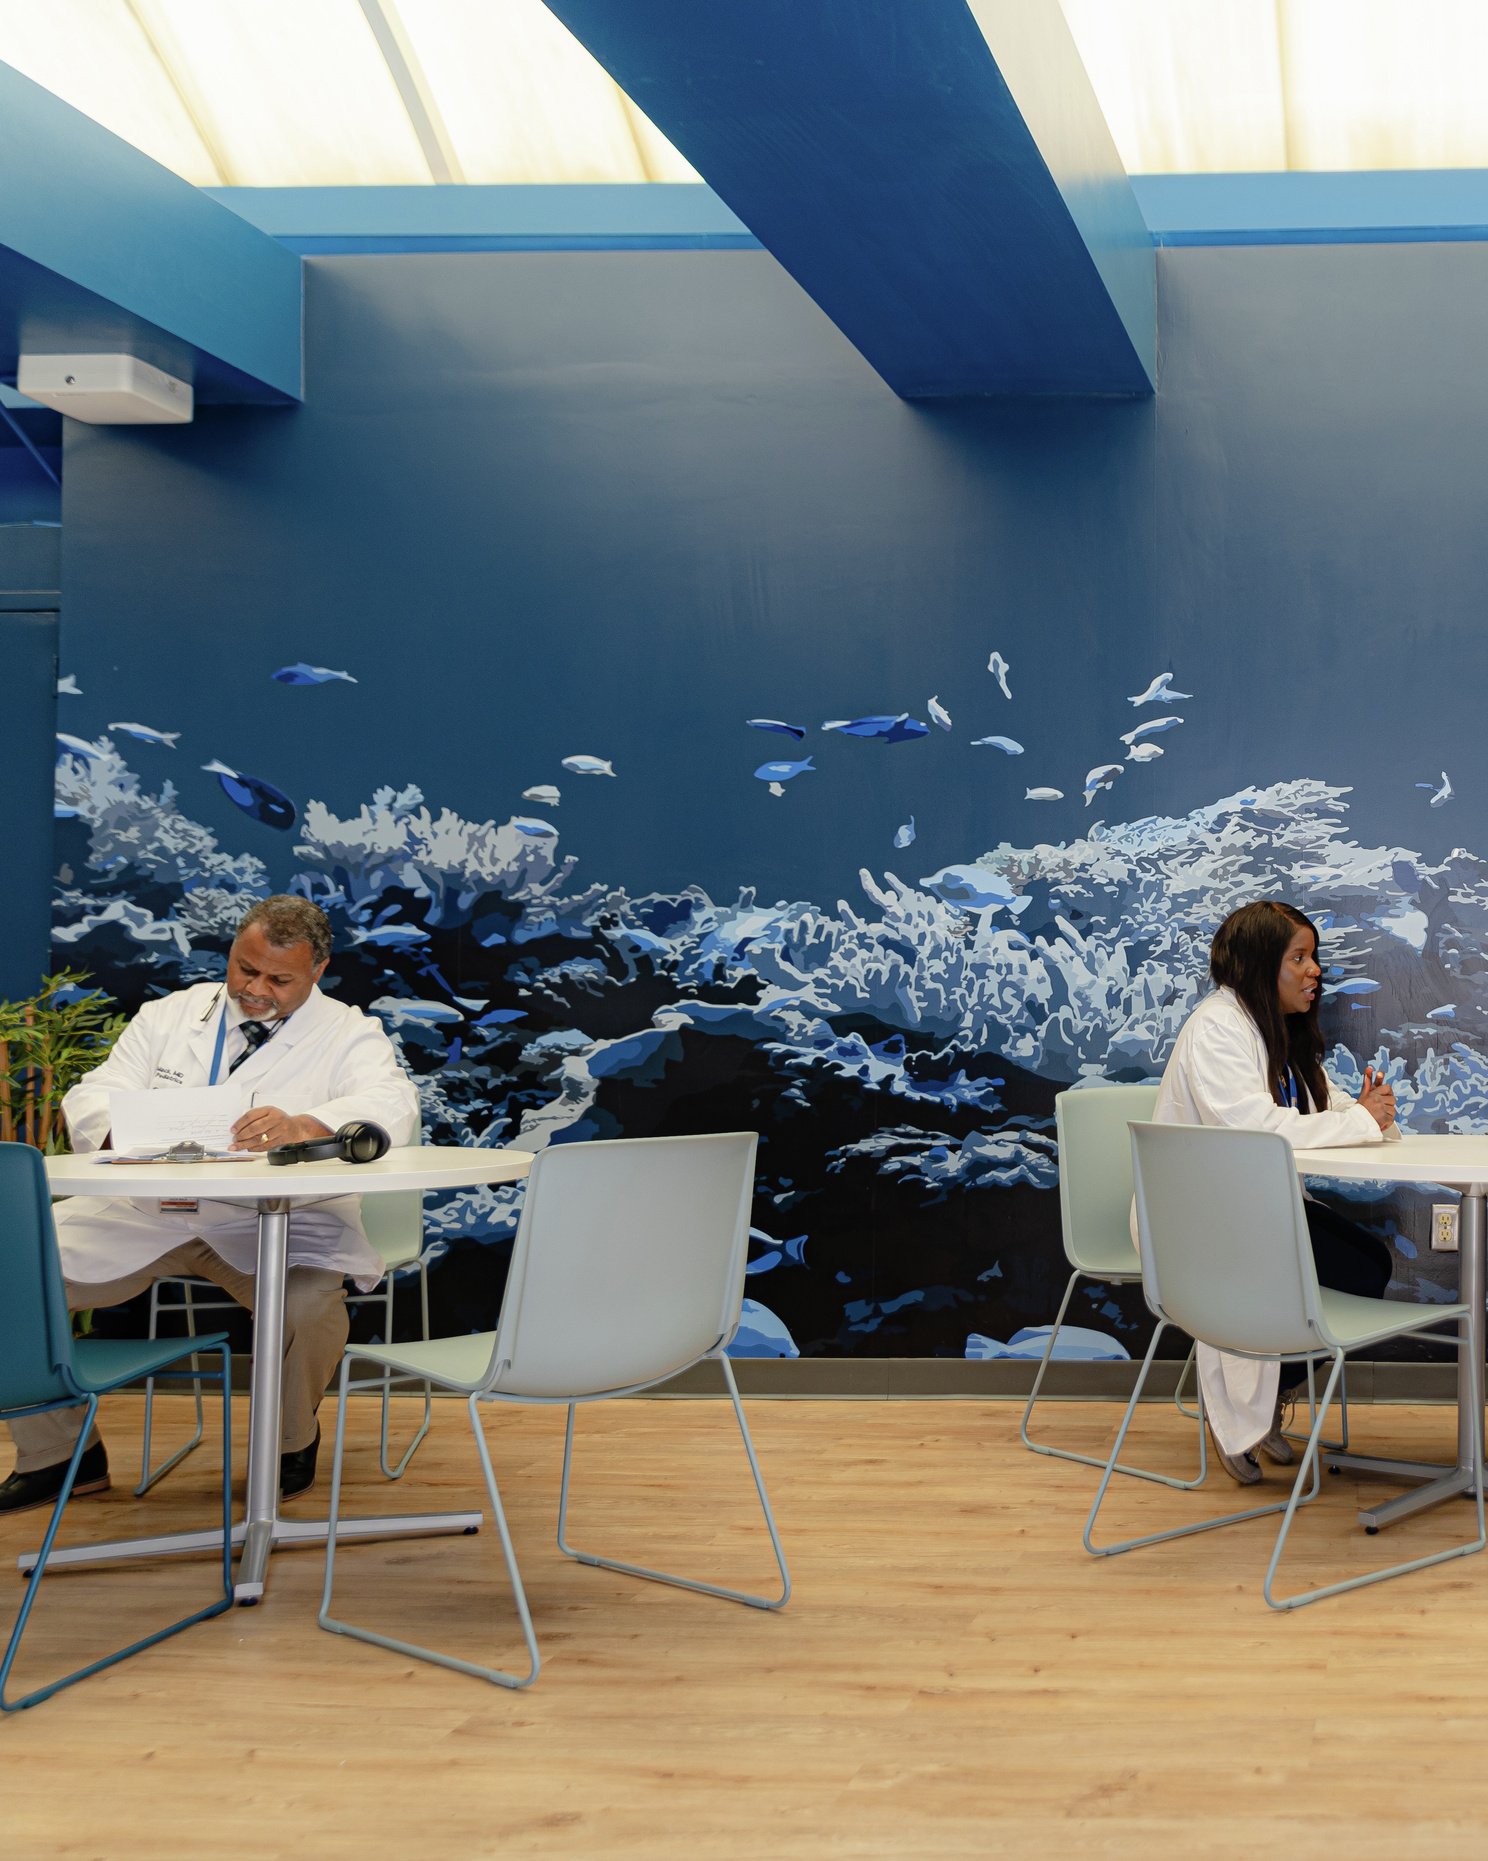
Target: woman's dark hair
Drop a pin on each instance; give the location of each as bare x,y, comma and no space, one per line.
1246,957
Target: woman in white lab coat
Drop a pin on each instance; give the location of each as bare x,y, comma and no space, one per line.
1250,1057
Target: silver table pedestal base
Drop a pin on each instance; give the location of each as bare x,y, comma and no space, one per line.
1441,1483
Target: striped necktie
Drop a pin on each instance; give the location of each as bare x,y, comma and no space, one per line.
255,1033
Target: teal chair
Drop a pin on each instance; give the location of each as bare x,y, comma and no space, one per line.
628,1268
1226,1256
42,1366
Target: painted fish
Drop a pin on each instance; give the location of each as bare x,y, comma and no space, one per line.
1157,725
774,723
169,738
499,1017
587,765
784,771
77,747
939,715
1144,752
906,834
1158,693
1355,985
1447,1012
999,668
68,687
888,729
395,1008
302,674
1043,794
1103,776
976,887
1008,745
536,830
391,936
545,795
258,799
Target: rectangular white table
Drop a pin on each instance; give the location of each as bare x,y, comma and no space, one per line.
1459,1163
276,1191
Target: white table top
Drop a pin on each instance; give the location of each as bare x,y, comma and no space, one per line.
431,1166
1455,1162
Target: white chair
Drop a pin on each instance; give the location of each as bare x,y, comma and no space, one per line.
1226,1256
1095,1196
394,1223
628,1267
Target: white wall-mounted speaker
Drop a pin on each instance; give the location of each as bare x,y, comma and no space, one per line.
106,390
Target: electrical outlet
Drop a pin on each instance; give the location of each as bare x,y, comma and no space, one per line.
1444,1227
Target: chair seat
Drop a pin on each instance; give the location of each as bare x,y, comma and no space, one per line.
1109,1257
1355,1322
102,1364
459,1363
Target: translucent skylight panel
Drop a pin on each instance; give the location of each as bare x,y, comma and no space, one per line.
521,99
287,93
1374,84
93,55
1187,86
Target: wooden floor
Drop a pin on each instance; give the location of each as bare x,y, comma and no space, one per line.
954,1675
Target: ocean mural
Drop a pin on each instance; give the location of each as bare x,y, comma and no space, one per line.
899,1052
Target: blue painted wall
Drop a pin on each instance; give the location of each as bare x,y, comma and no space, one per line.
615,504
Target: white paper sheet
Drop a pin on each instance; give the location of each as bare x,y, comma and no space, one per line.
144,1121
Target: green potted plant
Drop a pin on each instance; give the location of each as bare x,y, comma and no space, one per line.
47,1042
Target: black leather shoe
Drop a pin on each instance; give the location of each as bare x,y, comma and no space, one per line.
297,1470
22,1491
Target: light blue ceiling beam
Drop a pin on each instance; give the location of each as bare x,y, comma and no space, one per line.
937,176
103,249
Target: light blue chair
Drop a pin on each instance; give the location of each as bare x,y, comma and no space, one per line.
1226,1255
627,1269
394,1225
1095,1196
42,1366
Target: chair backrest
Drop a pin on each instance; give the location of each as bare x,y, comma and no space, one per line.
1095,1174
628,1263
35,1327
1225,1248
394,1224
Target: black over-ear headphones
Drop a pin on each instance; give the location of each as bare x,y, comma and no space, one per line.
356,1142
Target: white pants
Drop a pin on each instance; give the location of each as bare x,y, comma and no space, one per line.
1239,1396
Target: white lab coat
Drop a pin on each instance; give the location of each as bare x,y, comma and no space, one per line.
327,1060
1217,1076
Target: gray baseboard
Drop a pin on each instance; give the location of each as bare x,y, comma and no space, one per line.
952,1379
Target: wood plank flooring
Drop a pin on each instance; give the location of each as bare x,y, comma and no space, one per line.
954,1676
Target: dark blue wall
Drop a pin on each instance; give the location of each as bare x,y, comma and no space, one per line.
617,504
541,504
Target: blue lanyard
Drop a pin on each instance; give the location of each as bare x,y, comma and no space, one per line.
221,1043
1291,1090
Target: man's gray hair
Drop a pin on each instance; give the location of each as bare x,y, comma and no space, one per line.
287,920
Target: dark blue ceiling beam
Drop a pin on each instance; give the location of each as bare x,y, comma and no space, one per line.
103,250
936,175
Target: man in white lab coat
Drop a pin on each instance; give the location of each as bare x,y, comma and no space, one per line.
310,1065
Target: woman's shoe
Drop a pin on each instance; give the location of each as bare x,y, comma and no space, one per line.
1274,1444
1243,1469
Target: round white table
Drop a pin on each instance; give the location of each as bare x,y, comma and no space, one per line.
1459,1163
276,1191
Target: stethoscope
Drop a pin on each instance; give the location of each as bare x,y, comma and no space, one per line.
217,1050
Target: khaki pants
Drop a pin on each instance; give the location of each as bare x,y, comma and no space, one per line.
315,1331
